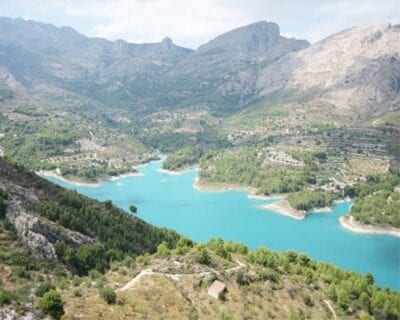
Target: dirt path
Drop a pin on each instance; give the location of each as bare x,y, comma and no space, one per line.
136,279
331,308
175,277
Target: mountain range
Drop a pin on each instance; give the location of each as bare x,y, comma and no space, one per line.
356,71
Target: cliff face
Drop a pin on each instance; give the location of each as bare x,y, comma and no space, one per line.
357,70
36,232
40,59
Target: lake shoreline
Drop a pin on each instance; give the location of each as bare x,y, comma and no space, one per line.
231,213
82,183
349,223
173,172
206,186
283,208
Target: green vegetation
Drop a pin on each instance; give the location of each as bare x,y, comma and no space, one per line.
380,209
118,233
30,143
167,141
52,304
43,289
5,297
377,200
308,199
182,158
163,250
82,144
133,209
3,203
202,255
108,295
247,166
93,172
183,245
388,119
271,279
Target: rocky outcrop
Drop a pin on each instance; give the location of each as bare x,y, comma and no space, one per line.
155,74
356,71
36,232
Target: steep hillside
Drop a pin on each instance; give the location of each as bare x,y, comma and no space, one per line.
175,283
47,216
222,73
62,61
40,58
355,71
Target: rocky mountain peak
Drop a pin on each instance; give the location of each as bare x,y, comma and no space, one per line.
254,38
167,42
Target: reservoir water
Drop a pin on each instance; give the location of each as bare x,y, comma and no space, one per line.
172,201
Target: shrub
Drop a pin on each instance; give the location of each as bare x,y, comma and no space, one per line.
94,274
267,274
133,208
76,281
5,297
21,311
183,246
108,295
52,304
129,262
123,271
43,288
22,273
77,293
3,207
308,301
163,250
100,282
241,279
115,265
64,284
202,255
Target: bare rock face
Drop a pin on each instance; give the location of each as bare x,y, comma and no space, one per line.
355,70
9,313
228,66
34,235
256,38
36,232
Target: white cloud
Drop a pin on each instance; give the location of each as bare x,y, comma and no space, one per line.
188,22
193,22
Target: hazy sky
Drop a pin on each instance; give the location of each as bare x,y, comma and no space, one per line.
192,22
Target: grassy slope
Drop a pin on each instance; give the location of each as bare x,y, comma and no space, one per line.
264,285
19,273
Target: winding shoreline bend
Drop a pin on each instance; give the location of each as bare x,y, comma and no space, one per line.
349,223
49,173
283,208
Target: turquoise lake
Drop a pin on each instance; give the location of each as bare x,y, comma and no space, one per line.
171,201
